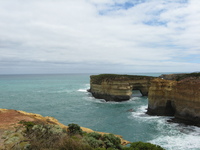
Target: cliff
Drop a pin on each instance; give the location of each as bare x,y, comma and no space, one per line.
169,95
22,130
112,87
176,98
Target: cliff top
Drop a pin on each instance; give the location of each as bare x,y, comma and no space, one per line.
11,122
97,79
180,76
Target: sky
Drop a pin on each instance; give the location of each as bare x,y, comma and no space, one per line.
99,36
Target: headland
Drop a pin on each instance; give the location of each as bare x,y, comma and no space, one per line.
175,95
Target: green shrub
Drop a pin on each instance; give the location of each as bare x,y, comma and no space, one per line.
105,149
111,141
94,135
101,142
45,136
94,143
100,149
70,144
144,146
74,129
27,124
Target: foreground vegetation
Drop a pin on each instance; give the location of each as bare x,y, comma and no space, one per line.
38,136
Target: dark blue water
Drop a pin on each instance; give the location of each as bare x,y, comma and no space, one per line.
65,97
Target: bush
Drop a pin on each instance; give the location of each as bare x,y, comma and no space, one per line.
144,146
71,144
105,149
94,143
27,124
74,129
45,136
94,135
102,142
94,140
111,141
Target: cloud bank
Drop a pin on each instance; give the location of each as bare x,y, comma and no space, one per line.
86,36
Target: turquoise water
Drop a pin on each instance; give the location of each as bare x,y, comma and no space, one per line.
65,97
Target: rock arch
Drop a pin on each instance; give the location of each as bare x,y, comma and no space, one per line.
143,88
118,87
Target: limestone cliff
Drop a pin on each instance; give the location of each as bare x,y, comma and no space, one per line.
169,95
176,98
113,87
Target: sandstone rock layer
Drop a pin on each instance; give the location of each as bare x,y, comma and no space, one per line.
118,87
175,98
169,95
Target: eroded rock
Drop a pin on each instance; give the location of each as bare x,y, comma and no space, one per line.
113,87
176,98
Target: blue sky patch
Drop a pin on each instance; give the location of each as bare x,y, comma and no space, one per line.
155,23
120,6
132,3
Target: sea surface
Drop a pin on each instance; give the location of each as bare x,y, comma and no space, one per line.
65,97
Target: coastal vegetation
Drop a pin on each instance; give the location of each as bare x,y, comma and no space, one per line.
187,75
97,79
39,136
180,76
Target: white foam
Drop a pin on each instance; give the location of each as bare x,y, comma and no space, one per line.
94,100
61,91
82,90
87,86
140,114
178,142
135,98
196,130
176,136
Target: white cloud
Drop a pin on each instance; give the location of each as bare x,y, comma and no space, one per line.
91,34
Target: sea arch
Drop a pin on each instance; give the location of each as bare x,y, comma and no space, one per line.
118,87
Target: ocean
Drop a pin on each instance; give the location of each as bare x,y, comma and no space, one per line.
65,97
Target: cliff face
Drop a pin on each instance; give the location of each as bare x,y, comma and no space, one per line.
175,98
118,87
